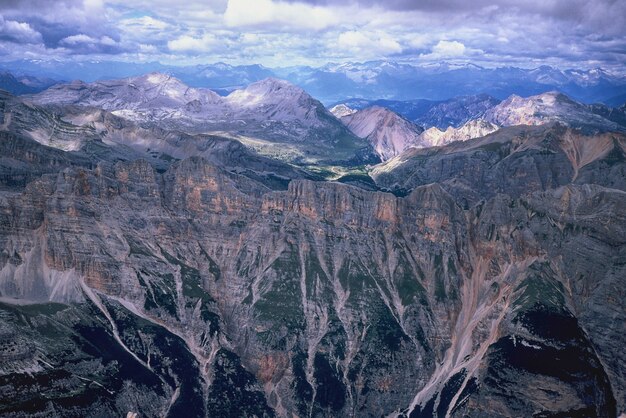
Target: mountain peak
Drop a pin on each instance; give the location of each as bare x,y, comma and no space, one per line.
268,90
272,84
551,106
388,132
155,78
341,110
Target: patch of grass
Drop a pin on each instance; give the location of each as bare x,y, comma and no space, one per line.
36,309
282,304
408,285
194,291
540,288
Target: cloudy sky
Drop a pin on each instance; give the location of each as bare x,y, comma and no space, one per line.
527,33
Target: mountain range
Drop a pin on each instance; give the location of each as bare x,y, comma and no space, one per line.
278,118
372,80
169,251
391,134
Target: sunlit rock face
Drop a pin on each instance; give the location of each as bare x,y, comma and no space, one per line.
268,113
481,278
389,133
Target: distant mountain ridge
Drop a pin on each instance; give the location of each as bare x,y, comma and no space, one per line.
391,134
551,106
370,80
23,84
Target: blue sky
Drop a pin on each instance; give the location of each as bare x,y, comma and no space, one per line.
563,33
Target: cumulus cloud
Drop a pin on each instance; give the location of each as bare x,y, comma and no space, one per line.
361,43
273,15
186,43
85,44
19,32
289,32
446,49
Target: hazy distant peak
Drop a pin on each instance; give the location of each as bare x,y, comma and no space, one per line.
155,78
270,84
551,106
268,88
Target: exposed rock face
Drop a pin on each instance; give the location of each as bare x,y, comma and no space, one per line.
268,110
473,129
493,287
341,110
514,160
389,133
547,107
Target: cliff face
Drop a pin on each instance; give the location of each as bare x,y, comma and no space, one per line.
171,274
202,292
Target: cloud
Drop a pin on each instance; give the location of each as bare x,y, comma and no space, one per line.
576,33
357,42
19,32
186,43
144,24
85,44
273,15
449,49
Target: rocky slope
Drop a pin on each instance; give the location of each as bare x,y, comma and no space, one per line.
278,118
341,110
548,107
457,112
488,284
475,128
92,135
389,133
338,301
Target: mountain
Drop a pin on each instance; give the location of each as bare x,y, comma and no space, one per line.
389,80
410,109
372,80
150,267
457,111
389,133
124,289
544,108
341,110
614,114
427,113
92,134
511,153
272,116
154,95
475,128
24,84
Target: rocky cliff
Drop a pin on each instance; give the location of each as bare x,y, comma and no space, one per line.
489,283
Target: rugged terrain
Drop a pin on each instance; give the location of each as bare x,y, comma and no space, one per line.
482,278
271,116
388,133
